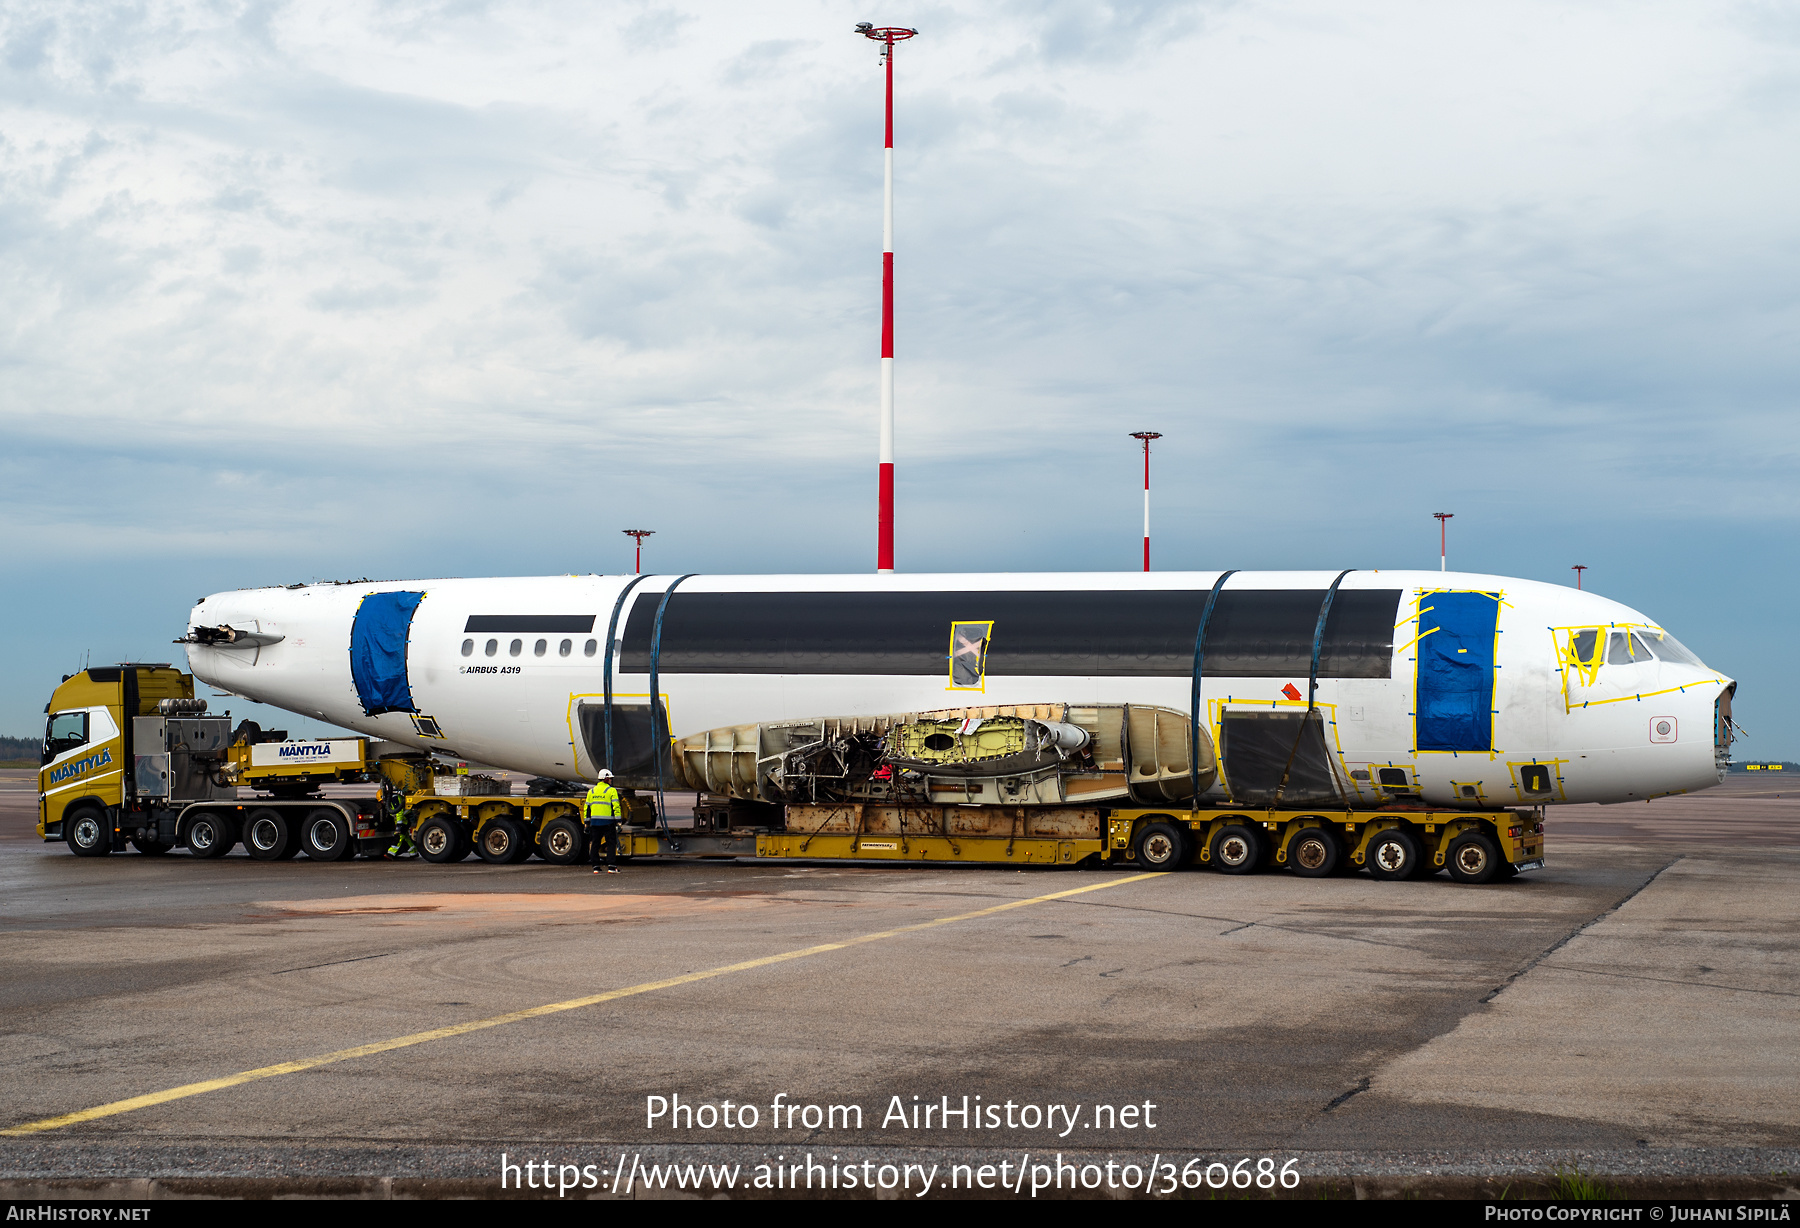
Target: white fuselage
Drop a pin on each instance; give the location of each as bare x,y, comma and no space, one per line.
1611,725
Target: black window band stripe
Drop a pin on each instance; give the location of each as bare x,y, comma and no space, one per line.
1254,633
526,624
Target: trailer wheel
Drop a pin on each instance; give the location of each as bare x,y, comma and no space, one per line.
269,836
503,842
1314,853
209,835
1236,850
440,840
1161,846
1473,858
1393,856
86,832
563,843
325,836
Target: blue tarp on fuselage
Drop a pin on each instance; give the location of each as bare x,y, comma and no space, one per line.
378,651
1456,671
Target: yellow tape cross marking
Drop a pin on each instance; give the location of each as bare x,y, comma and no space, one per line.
534,1012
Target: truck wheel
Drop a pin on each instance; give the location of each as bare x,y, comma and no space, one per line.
440,840
209,835
1161,847
1314,853
1473,858
503,842
1236,850
149,848
269,836
87,832
563,843
1393,856
325,836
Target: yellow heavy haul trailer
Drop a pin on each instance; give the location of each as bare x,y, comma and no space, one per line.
130,756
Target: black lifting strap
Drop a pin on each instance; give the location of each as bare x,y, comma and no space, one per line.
612,631
659,732
1312,679
1212,599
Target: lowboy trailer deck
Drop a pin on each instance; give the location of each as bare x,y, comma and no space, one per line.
130,756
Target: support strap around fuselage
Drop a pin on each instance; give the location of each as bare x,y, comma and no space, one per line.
1312,685
659,724
1312,679
1212,599
612,631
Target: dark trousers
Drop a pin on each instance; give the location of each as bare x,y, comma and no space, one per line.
606,834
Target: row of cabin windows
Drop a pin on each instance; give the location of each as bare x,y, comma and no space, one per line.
516,647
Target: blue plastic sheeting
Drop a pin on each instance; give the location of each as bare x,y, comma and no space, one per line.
1456,671
378,651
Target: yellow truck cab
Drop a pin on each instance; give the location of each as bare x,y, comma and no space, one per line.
85,783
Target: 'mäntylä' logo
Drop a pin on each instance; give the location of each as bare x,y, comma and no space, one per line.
79,766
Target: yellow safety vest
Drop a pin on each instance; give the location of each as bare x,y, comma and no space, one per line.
602,802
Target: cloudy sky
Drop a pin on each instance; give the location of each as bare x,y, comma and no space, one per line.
412,289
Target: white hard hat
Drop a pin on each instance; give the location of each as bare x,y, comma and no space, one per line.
605,774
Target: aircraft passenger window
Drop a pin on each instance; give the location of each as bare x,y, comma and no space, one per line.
1394,776
537,649
1534,779
66,731
587,649
468,647
562,649
512,649
493,646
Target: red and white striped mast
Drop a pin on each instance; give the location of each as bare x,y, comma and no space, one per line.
887,36
1146,436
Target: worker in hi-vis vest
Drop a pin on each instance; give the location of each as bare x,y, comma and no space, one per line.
603,810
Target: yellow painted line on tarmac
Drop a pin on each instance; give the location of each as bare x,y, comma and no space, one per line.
552,1008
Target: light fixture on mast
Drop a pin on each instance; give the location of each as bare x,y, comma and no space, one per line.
638,562
1443,539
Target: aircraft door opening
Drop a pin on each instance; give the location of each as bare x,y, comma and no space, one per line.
378,641
1455,698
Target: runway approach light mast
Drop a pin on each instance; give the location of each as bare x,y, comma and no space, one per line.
1146,436
1443,519
887,36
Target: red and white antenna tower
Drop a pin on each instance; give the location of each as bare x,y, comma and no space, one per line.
1443,519
887,36
1146,436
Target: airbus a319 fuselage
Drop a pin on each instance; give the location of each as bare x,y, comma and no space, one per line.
1451,689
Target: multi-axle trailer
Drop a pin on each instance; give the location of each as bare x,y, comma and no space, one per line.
131,757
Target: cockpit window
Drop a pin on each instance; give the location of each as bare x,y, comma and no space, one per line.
1671,649
1624,648
1582,645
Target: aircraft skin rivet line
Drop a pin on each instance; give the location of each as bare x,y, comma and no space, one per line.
418,1038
